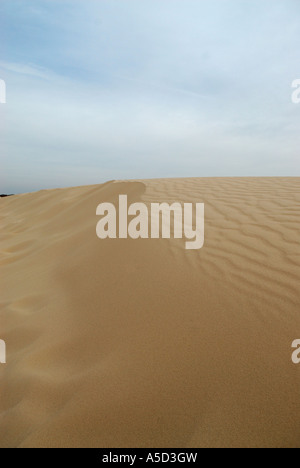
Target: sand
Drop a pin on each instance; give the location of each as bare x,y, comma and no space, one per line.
141,343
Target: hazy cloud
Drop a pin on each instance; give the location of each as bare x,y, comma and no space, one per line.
119,89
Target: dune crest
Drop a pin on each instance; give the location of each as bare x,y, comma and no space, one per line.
140,342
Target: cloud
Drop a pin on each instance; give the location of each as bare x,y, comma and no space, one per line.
147,89
26,69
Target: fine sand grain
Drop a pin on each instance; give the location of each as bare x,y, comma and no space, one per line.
141,343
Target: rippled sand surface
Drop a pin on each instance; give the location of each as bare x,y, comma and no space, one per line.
141,343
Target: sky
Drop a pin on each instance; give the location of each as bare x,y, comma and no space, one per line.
122,89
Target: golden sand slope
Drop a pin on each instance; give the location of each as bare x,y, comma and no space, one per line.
141,343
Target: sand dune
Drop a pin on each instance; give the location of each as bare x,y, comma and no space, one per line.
141,343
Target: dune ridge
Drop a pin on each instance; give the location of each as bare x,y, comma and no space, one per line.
141,343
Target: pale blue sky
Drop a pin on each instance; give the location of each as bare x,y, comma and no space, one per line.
111,89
